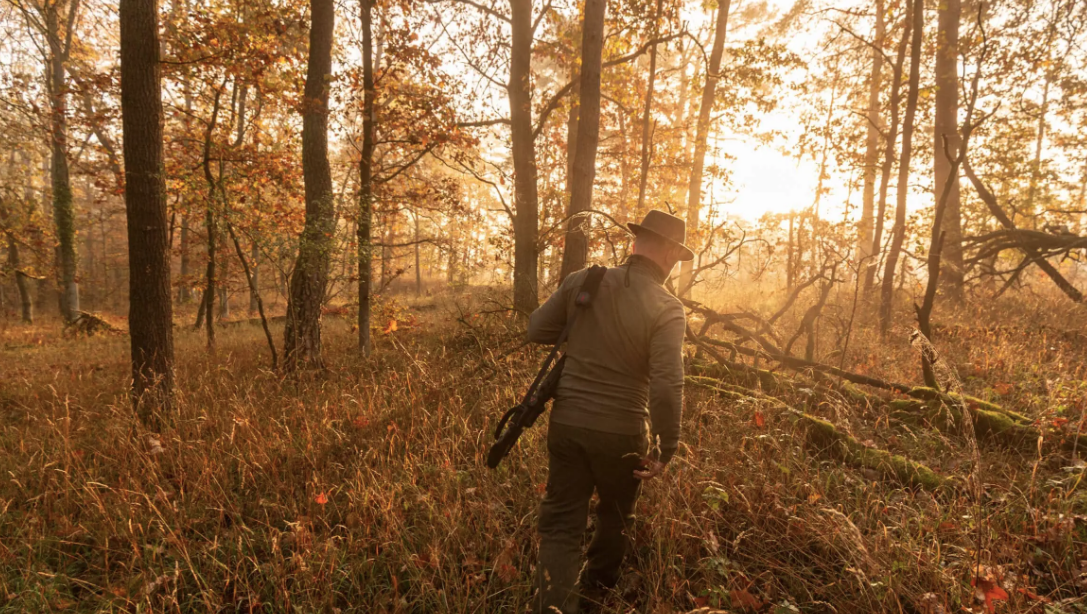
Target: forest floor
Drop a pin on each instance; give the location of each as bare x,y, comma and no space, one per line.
363,488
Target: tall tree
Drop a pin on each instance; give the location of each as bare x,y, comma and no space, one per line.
945,126
890,141
60,46
15,266
865,251
702,130
302,335
55,21
899,233
588,136
366,187
150,310
647,131
525,191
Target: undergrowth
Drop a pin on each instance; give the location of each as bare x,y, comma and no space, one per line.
363,488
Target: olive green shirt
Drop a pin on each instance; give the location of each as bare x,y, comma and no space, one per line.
624,356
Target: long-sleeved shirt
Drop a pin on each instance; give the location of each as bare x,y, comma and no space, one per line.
624,356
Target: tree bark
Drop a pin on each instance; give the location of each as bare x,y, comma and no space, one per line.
366,188
418,270
150,309
211,226
60,43
899,236
251,277
526,200
865,251
647,150
702,130
945,125
254,275
15,264
302,343
576,249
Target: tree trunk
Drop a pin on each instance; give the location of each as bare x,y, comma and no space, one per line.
302,343
1036,162
418,270
184,291
576,250
365,214
254,276
209,277
254,292
63,207
790,277
946,126
702,130
889,154
899,236
555,272
865,251
14,263
210,225
224,299
526,201
647,151
150,310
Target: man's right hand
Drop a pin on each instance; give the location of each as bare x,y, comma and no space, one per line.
650,469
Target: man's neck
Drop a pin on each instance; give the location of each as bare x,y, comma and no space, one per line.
651,265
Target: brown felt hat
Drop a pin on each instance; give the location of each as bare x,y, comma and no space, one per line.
666,226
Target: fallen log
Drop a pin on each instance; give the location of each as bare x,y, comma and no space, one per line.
800,364
89,324
826,439
991,422
732,370
824,436
952,398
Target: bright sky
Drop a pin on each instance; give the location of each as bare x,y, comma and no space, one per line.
768,178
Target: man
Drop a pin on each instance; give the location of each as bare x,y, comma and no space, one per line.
624,364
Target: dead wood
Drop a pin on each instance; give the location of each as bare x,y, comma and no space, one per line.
992,422
825,438
800,364
828,439
89,324
1031,244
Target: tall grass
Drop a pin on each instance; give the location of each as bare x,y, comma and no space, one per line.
363,488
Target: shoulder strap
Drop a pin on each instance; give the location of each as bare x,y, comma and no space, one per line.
590,285
584,300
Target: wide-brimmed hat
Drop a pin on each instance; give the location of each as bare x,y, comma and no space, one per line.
666,226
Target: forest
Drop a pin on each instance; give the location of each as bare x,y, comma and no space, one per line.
267,266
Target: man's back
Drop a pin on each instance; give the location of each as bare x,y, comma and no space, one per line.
624,353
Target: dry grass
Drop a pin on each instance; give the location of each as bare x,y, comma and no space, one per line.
364,489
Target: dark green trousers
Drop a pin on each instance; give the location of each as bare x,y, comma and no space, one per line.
581,461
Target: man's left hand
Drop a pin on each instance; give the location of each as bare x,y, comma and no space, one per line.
650,469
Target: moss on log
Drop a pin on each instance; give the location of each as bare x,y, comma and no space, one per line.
824,436
989,425
931,394
736,371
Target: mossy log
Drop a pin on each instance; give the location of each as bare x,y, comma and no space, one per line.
731,371
999,427
951,398
825,437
